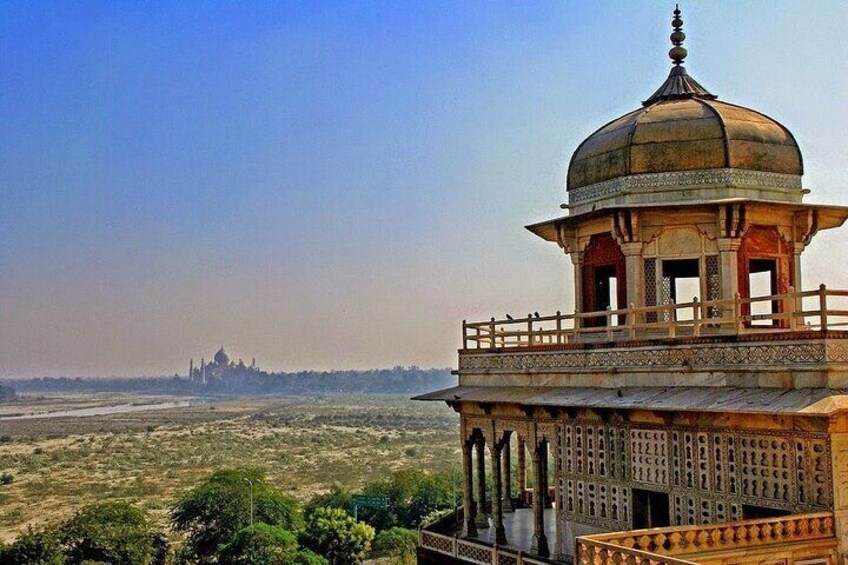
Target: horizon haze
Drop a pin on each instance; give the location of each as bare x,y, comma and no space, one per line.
337,186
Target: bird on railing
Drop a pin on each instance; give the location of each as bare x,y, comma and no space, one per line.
536,315
508,317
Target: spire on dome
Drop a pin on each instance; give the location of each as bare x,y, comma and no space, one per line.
678,84
678,52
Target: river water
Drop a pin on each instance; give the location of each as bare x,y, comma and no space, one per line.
100,410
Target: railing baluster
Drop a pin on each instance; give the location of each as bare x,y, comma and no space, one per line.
696,317
789,308
671,314
823,306
559,327
576,331
464,334
737,313
529,329
492,333
631,321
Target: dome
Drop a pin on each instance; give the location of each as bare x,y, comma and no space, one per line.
684,145
684,134
222,358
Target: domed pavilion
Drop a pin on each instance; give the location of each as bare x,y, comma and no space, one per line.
697,393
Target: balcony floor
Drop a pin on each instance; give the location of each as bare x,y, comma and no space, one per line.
519,529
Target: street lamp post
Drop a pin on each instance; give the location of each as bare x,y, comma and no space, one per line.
250,482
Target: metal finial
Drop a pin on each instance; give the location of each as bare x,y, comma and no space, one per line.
678,52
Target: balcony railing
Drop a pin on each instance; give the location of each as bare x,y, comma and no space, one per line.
693,545
474,551
812,310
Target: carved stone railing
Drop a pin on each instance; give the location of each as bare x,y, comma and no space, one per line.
668,546
592,552
473,551
812,310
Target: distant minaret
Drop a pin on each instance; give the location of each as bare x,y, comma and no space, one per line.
191,369
253,364
203,370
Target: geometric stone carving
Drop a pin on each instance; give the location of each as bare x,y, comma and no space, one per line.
705,178
696,355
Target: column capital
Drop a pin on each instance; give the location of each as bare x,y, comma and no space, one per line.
798,247
576,257
726,244
632,248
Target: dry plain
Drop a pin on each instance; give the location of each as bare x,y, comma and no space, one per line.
150,457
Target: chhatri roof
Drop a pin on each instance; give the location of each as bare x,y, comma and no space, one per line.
683,127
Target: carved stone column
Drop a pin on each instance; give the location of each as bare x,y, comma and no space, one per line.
633,265
522,469
539,545
546,476
509,505
481,520
470,528
577,261
728,248
499,534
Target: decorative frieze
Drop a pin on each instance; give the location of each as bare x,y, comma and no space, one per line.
706,178
702,355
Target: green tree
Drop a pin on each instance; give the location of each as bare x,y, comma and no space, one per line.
110,532
413,494
397,544
338,497
34,547
262,544
212,513
334,534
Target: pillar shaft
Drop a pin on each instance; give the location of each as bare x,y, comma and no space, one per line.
522,469
481,518
509,505
729,258
540,540
577,261
469,511
633,271
499,534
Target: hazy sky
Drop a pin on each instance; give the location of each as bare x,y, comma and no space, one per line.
334,185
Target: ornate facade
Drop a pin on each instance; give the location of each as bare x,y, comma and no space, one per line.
694,407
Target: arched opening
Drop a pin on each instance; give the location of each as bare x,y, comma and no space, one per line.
604,278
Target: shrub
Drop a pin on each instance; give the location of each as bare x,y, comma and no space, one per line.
34,547
110,532
338,497
335,535
395,542
261,544
6,479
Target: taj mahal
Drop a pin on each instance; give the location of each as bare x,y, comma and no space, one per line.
219,367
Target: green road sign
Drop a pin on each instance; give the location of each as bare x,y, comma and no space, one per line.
367,501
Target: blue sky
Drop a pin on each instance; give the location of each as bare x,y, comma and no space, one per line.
338,184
